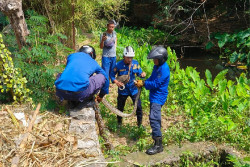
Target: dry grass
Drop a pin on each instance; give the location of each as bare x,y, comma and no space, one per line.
48,144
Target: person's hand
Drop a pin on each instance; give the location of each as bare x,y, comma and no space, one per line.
104,38
119,84
139,83
143,74
98,99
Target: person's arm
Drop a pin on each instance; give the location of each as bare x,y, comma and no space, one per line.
156,83
105,88
116,42
140,73
112,77
102,39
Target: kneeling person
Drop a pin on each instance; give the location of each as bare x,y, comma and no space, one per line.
130,67
77,82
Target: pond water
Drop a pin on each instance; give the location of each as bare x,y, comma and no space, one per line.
199,58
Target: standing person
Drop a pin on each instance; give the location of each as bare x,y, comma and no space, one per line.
157,83
77,82
108,43
130,67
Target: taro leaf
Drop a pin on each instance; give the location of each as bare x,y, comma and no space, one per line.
222,85
209,78
223,40
243,34
242,56
204,120
209,45
236,102
219,77
234,57
221,119
231,125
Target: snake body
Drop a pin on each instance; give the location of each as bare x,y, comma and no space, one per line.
118,112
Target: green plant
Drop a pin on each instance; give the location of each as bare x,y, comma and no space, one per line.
12,83
237,162
41,59
235,47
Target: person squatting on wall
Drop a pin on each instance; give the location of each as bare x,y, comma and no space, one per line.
157,84
130,67
77,82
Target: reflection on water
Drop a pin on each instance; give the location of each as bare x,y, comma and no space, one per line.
197,57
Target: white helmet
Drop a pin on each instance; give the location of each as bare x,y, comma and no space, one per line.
129,52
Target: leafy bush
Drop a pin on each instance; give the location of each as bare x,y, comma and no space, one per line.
235,47
41,59
214,109
12,83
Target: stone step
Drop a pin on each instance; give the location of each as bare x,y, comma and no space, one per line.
172,154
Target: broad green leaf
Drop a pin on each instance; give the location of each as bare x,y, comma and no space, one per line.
221,119
204,120
209,45
222,86
209,78
219,77
234,57
236,102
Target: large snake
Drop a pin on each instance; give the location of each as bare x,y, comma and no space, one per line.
118,112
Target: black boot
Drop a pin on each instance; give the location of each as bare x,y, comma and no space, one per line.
139,122
157,148
119,121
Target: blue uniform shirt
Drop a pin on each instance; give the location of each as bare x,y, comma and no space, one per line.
157,83
122,69
75,77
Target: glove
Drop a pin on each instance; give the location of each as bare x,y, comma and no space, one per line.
139,83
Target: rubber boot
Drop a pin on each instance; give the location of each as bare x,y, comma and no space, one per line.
139,122
157,148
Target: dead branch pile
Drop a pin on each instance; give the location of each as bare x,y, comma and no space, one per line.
49,143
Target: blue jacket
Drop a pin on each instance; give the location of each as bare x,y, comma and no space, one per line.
157,83
122,69
75,77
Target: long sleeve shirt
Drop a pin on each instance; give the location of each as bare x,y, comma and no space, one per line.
75,77
157,83
122,69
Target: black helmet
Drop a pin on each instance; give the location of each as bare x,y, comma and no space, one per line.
159,53
89,50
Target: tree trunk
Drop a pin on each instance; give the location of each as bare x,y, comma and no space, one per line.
13,10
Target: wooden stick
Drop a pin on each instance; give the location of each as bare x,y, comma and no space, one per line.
21,147
14,120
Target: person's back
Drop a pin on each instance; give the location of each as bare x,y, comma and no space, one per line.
77,82
80,66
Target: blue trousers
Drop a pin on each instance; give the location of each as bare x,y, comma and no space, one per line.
155,119
108,64
121,100
96,82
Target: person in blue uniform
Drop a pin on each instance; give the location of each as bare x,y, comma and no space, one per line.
77,82
122,68
108,43
157,84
